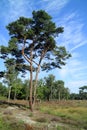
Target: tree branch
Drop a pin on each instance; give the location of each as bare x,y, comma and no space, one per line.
26,57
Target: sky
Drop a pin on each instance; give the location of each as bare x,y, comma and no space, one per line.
72,15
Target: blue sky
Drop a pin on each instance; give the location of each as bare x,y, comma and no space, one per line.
72,15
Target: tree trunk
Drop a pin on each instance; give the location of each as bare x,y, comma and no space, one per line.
31,73
9,94
31,88
51,93
36,78
59,95
35,84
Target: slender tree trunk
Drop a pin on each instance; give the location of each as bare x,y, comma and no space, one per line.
51,93
31,89
35,84
9,94
59,95
36,77
31,74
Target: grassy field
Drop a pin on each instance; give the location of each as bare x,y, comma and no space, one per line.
55,115
70,112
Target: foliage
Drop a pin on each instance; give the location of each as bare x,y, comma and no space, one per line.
49,89
3,90
18,90
83,92
82,95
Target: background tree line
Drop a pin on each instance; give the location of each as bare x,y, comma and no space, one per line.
47,89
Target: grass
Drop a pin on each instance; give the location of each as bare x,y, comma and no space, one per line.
9,124
3,98
71,112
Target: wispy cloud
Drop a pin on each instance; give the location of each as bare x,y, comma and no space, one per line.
12,9
54,6
79,45
73,36
74,73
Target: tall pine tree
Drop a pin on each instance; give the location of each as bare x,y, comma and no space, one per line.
33,40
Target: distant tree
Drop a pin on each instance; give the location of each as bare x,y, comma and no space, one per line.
32,40
41,89
49,82
49,89
10,74
59,85
26,88
83,88
65,93
18,90
74,96
83,92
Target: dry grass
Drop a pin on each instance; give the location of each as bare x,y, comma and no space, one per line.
71,113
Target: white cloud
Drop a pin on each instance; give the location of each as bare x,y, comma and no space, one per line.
74,68
73,36
79,45
15,9
55,5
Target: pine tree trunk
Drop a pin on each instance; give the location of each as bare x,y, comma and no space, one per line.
35,84
36,78
31,87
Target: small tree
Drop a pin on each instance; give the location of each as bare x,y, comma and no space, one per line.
32,40
10,75
40,89
17,91
59,87
49,82
83,92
